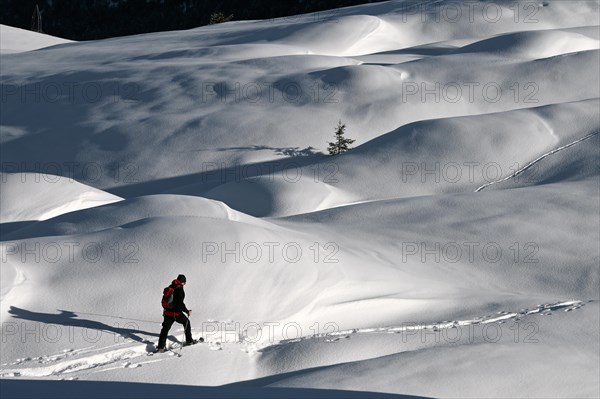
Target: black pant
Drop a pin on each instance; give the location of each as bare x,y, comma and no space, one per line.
166,326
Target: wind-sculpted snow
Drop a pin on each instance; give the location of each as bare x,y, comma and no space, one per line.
29,197
411,264
537,44
128,212
15,40
443,155
253,92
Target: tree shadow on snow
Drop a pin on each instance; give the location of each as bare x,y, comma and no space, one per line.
214,174
288,151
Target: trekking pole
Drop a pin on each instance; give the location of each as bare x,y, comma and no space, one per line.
183,338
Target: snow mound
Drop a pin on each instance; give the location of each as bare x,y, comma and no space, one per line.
27,196
435,156
131,212
257,91
286,195
15,40
469,200
406,367
536,44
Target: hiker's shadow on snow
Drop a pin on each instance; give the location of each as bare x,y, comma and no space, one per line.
129,330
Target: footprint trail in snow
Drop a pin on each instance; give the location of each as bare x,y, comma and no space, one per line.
128,356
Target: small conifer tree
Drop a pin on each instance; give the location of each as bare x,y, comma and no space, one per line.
219,17
341,143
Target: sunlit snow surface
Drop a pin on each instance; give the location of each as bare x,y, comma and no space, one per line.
452,253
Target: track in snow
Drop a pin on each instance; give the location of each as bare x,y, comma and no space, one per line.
530,164
127,355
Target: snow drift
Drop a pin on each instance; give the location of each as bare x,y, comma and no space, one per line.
452,253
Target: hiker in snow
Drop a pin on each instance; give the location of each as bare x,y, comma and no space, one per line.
175,311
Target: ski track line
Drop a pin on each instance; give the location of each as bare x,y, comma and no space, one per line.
530,164
62,365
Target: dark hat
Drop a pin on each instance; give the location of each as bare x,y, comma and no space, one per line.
181,278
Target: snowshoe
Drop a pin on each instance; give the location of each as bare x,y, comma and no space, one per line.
193,342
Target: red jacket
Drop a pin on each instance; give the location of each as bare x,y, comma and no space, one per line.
178,304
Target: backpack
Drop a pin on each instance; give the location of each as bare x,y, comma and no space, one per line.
167,298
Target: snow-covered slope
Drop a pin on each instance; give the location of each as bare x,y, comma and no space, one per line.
29,196
469,205
15,40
